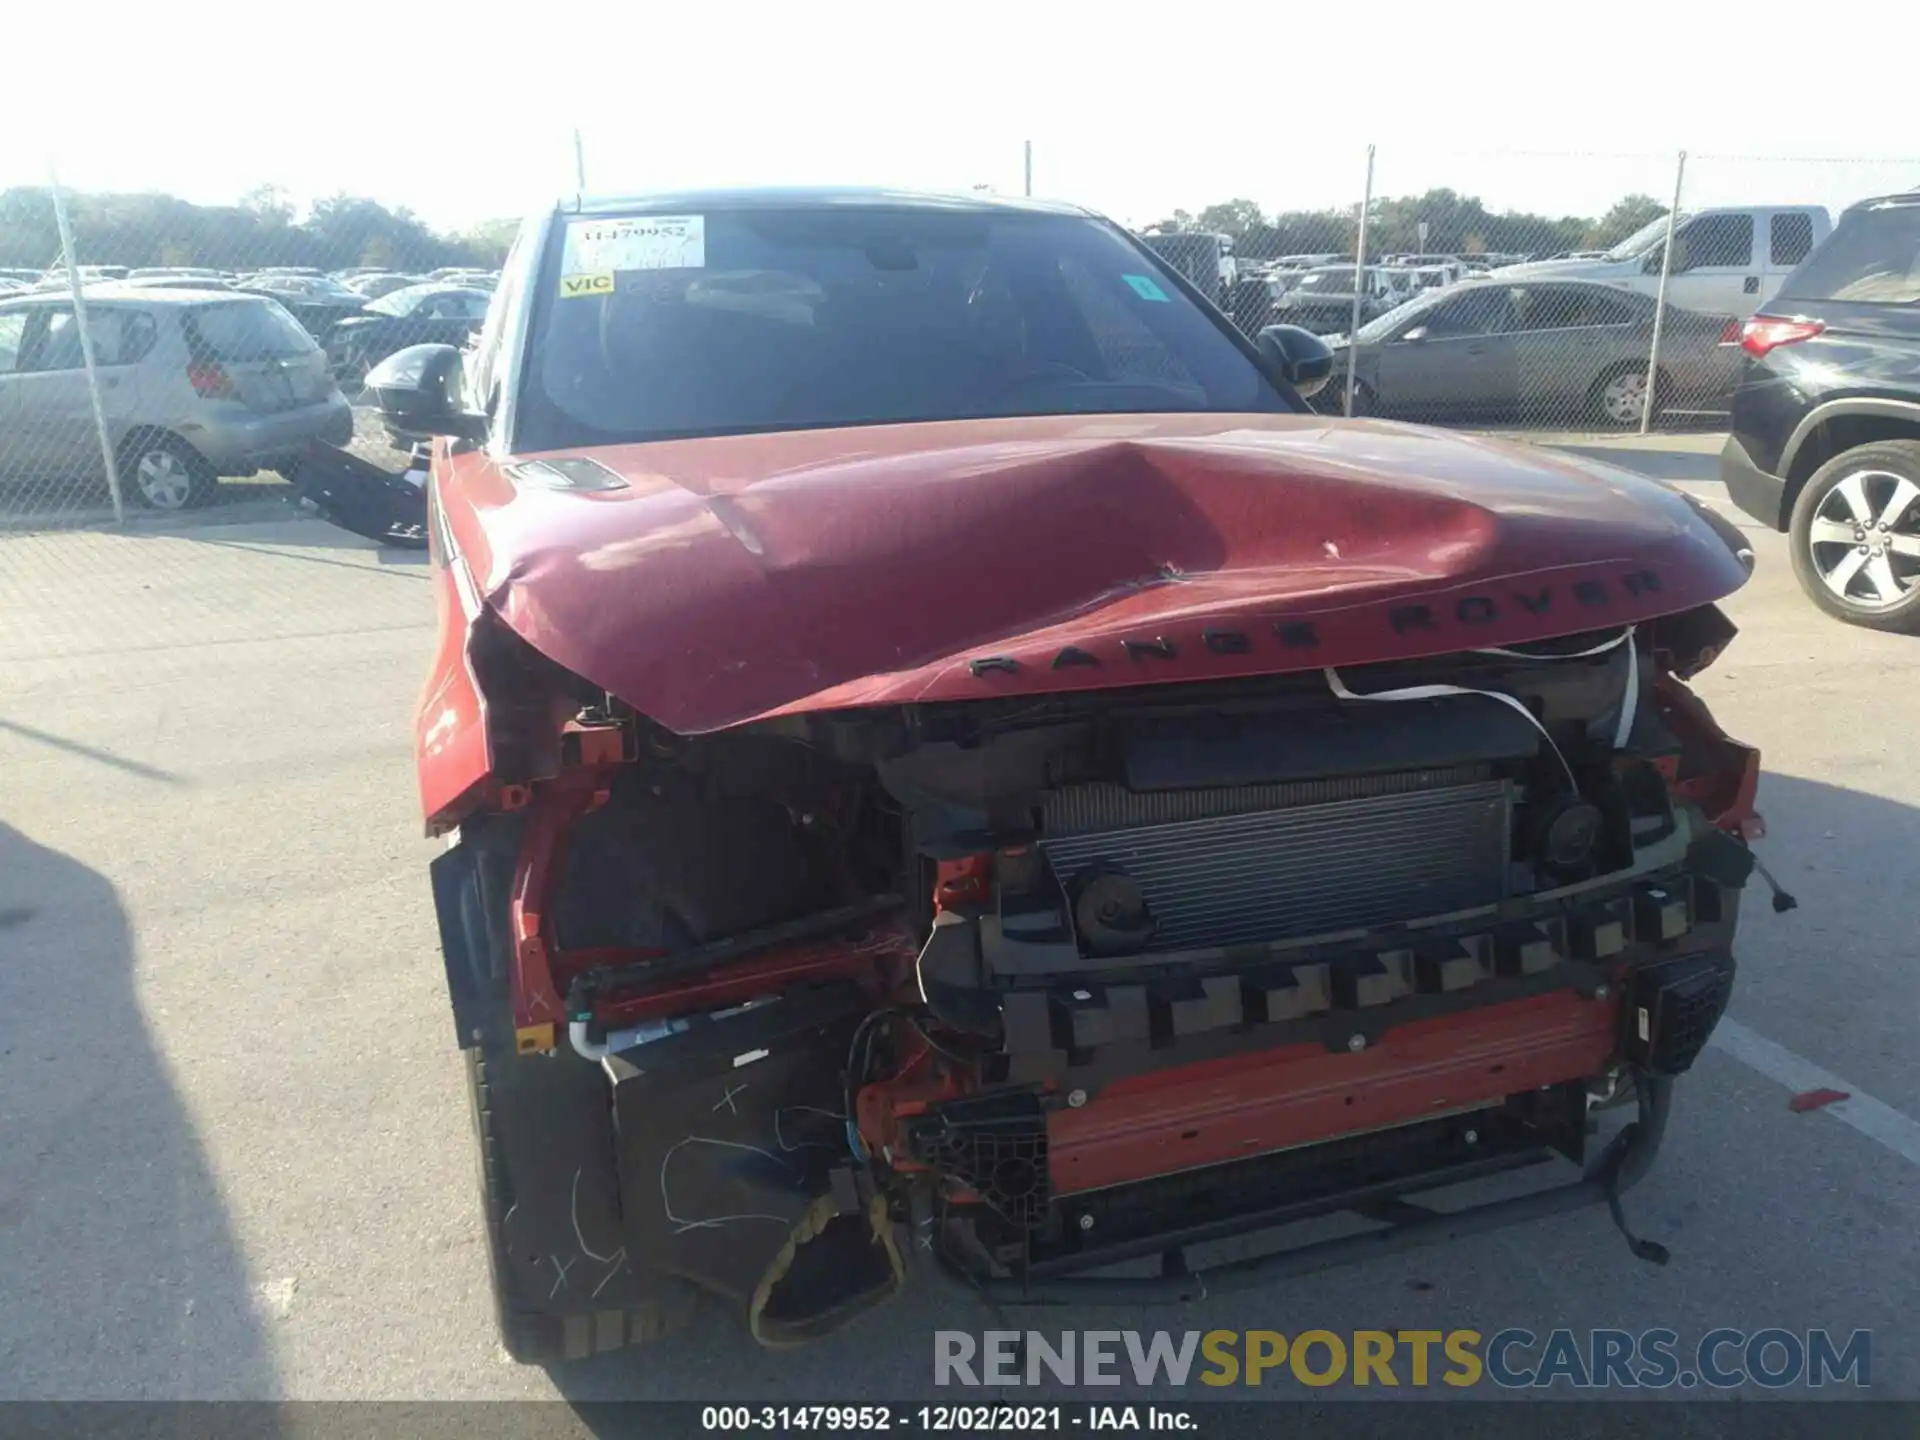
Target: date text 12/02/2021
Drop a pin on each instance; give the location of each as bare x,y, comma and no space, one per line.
944,1419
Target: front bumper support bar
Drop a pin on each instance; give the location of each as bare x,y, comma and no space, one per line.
1404,1225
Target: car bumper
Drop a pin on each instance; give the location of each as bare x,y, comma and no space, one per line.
242,445
1759,494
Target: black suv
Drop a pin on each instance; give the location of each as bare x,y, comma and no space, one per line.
1826,417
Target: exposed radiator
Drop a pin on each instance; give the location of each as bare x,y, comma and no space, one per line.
1308,868
1100,805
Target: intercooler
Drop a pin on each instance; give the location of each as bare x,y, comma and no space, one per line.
1263,862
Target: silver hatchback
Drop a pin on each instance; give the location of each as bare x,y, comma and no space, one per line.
194,385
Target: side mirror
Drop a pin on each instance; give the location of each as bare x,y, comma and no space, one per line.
1415,335
417,390
1303,359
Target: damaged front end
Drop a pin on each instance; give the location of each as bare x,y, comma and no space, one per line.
1027,990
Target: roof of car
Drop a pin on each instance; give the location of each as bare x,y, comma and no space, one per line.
807,198
1903,197
155,294
438,287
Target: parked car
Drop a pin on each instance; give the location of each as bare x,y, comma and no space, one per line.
416,315
1321,300
1436,276
176,282
21,277
1825,435
56,275
1726,261
1562,351
175,272
195,385
316,301
472,279
382,282
1055,893
1206,258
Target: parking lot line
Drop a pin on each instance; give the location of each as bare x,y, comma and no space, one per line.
1872,1118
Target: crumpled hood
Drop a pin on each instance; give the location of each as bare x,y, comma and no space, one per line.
736,577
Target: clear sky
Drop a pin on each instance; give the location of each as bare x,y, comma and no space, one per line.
466,112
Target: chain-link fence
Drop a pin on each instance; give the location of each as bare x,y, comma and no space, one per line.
1446,310
159,356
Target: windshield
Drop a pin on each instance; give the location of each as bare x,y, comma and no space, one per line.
1382,326
779,319
401,301
1642,240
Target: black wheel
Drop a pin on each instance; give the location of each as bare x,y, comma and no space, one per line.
165,472
1365,402
1855,536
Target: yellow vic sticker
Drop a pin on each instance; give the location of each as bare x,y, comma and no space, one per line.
572,285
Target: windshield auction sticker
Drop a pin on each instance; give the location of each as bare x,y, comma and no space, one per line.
597,250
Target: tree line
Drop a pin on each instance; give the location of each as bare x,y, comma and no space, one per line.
1456,224
153,229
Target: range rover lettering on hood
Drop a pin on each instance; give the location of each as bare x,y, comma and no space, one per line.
1467,613
735,577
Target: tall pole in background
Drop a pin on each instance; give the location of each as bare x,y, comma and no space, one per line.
1029,167
86,343
1359,276
579,162
1660,300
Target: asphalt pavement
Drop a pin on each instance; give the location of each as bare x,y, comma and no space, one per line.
234,1149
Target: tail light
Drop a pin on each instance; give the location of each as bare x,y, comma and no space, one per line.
210,381
1764,333
1731,332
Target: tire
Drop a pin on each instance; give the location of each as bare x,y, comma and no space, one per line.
165,472
1618,398
1854,536
1365,402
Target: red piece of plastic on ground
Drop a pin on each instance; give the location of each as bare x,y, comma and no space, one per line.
1813,1099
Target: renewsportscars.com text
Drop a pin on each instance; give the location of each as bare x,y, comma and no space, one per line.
1654,1359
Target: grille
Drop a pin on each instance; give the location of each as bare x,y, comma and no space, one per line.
1309,868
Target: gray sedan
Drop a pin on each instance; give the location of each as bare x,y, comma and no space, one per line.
1562,352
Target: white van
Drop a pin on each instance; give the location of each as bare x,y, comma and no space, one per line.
1726,261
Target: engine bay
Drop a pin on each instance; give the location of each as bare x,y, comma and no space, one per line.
1050,983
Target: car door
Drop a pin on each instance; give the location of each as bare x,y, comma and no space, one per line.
55,410
13,340
1716,264
1565,338
1455,359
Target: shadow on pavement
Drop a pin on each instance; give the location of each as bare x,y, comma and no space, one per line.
122,1277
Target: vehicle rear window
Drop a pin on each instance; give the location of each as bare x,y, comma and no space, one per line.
800,318
246,330
1872,258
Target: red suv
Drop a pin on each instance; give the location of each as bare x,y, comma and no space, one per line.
954,772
